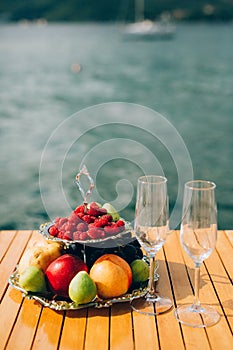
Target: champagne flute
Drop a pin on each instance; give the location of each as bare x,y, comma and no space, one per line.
151,230
198,236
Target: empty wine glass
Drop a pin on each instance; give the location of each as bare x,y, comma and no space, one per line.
198,236
151,230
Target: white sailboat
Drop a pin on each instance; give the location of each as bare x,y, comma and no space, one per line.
147,29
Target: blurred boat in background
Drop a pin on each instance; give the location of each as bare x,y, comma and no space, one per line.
146,29
149,30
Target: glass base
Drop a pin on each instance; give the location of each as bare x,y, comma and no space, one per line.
197,316
151,305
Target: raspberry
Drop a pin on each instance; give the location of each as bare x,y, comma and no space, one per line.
120,223
53,231
106,218
111,230
102,211
73,227
80,209
57,219
95,233
67,227
103,220
63,227
62,221
87,218
80,215
60,234
83,236
80,236
97,223
95,210
68,235
82,227
73,218
76,235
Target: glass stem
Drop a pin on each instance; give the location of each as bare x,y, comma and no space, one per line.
151,279
197,285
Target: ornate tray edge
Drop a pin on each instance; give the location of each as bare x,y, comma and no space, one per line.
60,305
43,230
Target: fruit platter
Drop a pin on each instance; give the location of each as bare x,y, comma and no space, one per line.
65,273
88,259
80,287
55,274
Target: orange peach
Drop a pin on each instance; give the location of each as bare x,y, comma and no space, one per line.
112,275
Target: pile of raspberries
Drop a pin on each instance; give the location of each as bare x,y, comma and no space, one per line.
85,223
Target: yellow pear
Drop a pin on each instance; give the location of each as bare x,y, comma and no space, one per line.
40,255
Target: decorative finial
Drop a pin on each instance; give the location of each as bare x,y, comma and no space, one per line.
84,193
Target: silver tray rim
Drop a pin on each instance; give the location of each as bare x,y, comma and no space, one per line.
62,305
44,231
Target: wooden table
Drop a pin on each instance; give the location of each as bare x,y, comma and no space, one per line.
26,324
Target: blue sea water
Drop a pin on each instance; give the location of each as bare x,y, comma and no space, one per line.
48,73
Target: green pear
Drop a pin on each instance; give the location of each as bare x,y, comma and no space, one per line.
140,270
32,279
82,288
111,211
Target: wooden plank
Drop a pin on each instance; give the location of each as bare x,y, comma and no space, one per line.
229,234
35,239
168,327
193,338
208,295
220,336
97,331
25,327
163,286
150,339
73,331
225,250
121,335
145,332
223,287
9,309
12,257
168,330
224,290
6,238
48,331
178,270
26,324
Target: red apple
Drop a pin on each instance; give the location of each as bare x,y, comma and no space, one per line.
61,271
